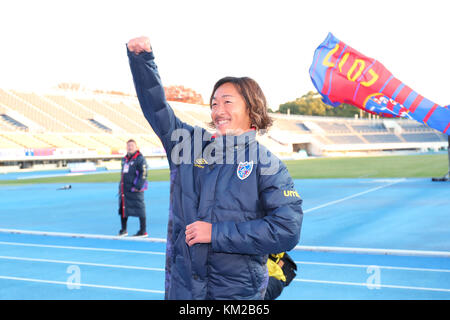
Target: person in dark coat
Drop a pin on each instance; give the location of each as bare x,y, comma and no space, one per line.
232,202
133,183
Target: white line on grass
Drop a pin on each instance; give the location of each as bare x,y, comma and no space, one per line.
81,284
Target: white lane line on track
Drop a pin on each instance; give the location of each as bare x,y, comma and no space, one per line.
79,248
372,265
352,196
81,235
81,284
368,286
394,252
397,252
82,263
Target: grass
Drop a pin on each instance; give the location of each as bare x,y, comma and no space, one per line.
154,175
411,166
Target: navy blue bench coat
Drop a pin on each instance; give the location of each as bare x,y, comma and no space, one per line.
254,210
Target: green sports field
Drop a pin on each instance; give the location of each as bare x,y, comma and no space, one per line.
409,166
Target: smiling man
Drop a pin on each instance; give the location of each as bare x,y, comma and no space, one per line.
228,110
225,217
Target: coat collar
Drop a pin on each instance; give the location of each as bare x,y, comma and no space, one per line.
132,156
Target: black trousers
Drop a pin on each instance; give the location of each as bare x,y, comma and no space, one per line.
142,222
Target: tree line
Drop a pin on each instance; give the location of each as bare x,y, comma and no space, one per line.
311,104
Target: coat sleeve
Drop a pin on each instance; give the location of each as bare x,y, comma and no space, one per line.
141,179
152,99
277,231
121,176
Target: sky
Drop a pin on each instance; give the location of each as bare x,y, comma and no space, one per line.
197,42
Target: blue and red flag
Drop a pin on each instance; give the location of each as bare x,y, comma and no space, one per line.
343,75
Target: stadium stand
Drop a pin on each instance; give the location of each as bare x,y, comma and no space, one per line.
341,136
76,109
56,140
44,120
10,124
370,127
334,127
26,140
65,122
7,143
382,138
423,137
345,139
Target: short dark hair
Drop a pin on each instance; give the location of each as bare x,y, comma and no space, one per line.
131,140
254,99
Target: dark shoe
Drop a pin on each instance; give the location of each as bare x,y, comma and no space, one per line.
123,233
141,234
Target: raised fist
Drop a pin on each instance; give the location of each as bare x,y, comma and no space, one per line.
138,45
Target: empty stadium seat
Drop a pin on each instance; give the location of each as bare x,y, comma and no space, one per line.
345,139
421,137
26,140
116,115
6,143
382,138
333,127
18,103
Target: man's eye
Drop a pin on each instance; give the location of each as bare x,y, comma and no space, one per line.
228,101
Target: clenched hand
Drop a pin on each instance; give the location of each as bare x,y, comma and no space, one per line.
138,45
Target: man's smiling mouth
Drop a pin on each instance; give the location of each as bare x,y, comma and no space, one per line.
222,121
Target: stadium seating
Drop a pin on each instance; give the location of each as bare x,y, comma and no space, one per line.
409,126
334,127
422,137
76,109
118,118
45,121
382,138
345,139
102,123
55,140
370,127
26,140
6,143
63,116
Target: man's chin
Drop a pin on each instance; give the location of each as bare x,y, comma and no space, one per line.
229,132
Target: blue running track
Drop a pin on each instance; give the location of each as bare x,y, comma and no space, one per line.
361,239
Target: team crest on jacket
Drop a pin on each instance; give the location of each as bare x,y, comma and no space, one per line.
244,169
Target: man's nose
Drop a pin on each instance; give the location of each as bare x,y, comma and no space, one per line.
219,108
